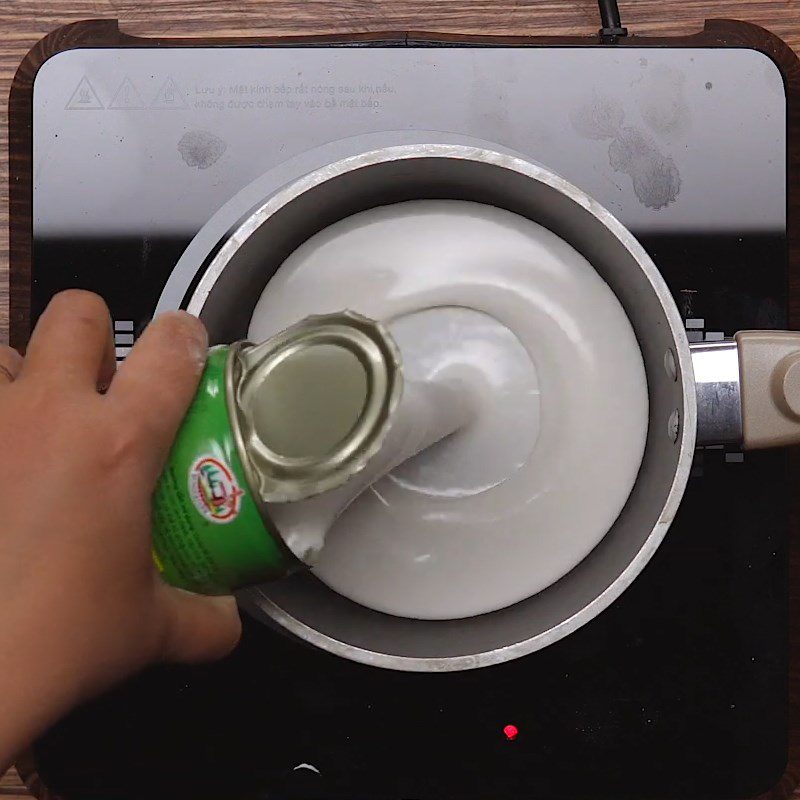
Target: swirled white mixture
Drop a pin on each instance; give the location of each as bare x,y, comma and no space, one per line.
511,503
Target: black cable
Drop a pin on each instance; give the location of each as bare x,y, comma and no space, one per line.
610,20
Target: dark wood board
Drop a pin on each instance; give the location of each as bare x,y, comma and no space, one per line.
23,23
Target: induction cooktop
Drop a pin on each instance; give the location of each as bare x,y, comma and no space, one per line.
679,690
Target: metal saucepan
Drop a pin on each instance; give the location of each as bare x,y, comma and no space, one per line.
696,395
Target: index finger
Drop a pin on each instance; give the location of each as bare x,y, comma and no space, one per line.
82,319
157,381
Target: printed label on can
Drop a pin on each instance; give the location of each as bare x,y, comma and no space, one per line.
209,534
214,490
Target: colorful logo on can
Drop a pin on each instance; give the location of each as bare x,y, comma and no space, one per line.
214,489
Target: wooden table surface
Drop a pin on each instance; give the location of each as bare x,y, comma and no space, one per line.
24,22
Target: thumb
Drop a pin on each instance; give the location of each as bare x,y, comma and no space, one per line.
198,628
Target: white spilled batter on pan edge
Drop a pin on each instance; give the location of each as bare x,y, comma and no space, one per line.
510,504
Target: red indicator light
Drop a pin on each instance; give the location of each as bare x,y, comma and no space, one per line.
511,732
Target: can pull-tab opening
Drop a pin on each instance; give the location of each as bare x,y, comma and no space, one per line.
310,403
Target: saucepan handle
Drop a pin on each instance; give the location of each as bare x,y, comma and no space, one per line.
748,390
769,369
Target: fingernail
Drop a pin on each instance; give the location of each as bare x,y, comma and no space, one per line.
196,335
226,602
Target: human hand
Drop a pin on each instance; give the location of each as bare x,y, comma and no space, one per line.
81,603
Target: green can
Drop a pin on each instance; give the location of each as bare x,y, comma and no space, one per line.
210,534
252,439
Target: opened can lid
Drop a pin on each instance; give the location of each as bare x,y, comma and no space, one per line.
313,404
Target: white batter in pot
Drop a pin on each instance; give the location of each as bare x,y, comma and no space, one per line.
511,503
